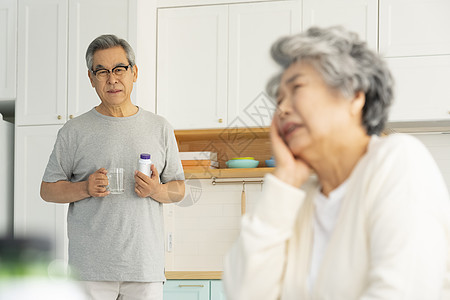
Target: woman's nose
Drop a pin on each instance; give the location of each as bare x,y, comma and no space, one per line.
284,107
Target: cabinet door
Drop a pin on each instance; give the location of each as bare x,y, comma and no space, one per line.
186,290
360,16
253,29
192,66
87,20
6,177
421,90
33,217
217,291
42,62
414,27
8,36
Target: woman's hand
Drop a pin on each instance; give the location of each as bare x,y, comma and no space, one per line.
289,169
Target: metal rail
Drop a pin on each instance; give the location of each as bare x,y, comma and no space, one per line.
215,181
243,196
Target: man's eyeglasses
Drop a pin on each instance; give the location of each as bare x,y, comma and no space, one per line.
118,71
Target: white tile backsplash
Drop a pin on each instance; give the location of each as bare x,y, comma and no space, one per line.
188,248
204,230
439,146
198,263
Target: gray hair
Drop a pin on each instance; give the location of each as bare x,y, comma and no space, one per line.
345,63
105,42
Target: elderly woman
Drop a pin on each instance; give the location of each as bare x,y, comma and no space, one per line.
373,222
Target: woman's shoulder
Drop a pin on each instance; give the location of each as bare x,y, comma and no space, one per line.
397,140
398,163
398,144
394,154
398,156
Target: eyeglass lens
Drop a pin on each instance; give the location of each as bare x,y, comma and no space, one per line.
117,71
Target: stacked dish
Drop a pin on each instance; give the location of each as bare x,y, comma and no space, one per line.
270,162
242,162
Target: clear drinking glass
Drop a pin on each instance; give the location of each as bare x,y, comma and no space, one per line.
115,181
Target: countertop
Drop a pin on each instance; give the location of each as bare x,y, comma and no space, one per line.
194,274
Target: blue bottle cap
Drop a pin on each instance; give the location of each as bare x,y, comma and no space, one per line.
145,156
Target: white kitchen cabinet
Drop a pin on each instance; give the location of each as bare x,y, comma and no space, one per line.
8,48
187,290
360,16
254,27
87,20
414,27
415,37
33,217
213,62
6,177
42,62
192,66
53,84
421,89
194,290
217,290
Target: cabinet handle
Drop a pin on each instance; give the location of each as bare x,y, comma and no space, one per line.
190,285
59,117
220,120
71,117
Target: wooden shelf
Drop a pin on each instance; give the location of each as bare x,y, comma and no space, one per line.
228,143
225,133
228,173
194,274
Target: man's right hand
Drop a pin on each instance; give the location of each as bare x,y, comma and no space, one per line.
97,182
64,191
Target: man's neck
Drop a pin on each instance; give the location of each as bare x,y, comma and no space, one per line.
117,111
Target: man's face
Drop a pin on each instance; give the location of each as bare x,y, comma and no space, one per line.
113,89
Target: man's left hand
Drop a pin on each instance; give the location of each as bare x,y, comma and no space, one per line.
146,186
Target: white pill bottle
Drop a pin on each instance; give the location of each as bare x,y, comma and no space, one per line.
145,164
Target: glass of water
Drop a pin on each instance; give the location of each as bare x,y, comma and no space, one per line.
115,181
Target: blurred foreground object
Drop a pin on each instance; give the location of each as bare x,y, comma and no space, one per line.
26,272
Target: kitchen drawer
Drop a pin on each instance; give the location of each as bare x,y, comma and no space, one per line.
186,290
194,290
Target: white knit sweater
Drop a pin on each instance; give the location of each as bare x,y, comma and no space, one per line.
391,239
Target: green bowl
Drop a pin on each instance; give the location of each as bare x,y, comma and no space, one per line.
242,163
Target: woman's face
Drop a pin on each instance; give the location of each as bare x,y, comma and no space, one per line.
311,117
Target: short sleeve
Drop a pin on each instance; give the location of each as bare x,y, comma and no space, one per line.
59,166
172,167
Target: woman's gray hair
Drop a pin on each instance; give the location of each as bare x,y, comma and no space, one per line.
105,42
345,63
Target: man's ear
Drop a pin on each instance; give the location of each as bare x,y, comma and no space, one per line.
135,73
90,75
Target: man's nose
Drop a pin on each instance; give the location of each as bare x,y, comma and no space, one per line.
111,78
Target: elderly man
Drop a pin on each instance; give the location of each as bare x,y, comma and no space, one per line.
116,241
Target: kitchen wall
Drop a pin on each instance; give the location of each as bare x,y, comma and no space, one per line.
205,228
439,146
206,223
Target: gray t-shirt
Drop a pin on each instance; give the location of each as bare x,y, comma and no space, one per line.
118,237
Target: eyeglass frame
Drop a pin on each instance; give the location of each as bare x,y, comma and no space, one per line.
110,71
